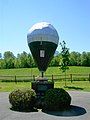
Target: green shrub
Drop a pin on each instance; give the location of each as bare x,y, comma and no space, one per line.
22,99
56,99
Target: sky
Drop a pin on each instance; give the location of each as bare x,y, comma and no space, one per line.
71,18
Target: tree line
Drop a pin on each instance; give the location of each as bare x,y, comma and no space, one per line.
25,60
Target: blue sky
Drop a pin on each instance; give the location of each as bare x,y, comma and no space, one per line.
71,18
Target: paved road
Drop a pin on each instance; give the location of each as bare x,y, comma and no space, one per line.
80,109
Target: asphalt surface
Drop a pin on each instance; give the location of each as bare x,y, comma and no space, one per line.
80,109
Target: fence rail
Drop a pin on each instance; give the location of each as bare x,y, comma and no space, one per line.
69,77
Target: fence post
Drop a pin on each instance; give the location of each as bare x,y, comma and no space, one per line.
15,79
34,77
89,77
52,78
71,77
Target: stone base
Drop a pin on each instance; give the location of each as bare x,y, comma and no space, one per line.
41,79
41,85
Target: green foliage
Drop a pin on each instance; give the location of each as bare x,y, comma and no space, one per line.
25,60
8,54
22,99
85,59
75,59
56,99
2,64
55,61
8,61
22,58
65,57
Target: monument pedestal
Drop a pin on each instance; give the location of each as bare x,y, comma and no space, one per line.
41,85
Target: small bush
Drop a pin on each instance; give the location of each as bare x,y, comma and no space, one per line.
56,99
22,99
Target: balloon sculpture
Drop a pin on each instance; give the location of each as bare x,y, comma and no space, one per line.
42,40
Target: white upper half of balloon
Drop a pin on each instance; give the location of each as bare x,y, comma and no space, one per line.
42,31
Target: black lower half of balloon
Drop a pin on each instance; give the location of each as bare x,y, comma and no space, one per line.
42,52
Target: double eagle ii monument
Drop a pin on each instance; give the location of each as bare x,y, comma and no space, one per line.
42,40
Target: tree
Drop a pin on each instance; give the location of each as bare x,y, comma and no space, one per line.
30,61
22,59
65,58
88,56
0,55
8,54
85,59
9,60
2,64
55,61
17,63
75,58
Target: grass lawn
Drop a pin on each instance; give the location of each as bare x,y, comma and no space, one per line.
10,86
76,85
50,71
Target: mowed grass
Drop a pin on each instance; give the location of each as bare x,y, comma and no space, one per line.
10,86
50,71
75,85
20,72
72,69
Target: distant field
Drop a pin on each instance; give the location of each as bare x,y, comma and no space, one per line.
50,71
